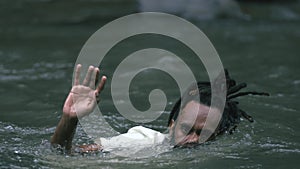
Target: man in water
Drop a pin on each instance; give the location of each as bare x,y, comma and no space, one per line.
186,121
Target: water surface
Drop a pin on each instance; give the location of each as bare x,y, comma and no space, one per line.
40,41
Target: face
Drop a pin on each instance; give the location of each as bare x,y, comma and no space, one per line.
190,123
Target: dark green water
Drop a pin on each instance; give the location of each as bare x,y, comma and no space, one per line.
39,44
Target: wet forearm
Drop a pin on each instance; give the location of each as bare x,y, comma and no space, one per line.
65,131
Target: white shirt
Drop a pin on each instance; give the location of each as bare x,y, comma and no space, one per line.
135,141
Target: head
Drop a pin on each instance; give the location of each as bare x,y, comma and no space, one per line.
189,114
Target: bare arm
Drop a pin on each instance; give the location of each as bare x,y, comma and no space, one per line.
80,102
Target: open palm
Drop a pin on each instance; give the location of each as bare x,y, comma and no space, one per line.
83,98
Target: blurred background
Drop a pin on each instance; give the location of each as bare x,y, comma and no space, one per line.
257,40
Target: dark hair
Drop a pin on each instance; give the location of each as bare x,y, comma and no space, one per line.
202,92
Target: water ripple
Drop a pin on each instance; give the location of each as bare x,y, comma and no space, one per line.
38,71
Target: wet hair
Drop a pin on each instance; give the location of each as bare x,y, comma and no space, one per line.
202,92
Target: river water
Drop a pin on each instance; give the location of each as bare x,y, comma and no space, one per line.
41,39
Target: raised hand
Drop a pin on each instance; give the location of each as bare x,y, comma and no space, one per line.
80,102
82,98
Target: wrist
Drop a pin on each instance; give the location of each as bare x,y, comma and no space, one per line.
65,130
71,117
67,113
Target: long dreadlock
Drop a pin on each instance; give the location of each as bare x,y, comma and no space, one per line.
232,113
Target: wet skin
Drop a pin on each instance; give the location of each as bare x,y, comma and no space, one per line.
82,99
190,123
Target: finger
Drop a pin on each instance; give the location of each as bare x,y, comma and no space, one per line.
88,76
97,98
93,78
77,75
101,84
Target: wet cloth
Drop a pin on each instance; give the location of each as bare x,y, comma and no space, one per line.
136,138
